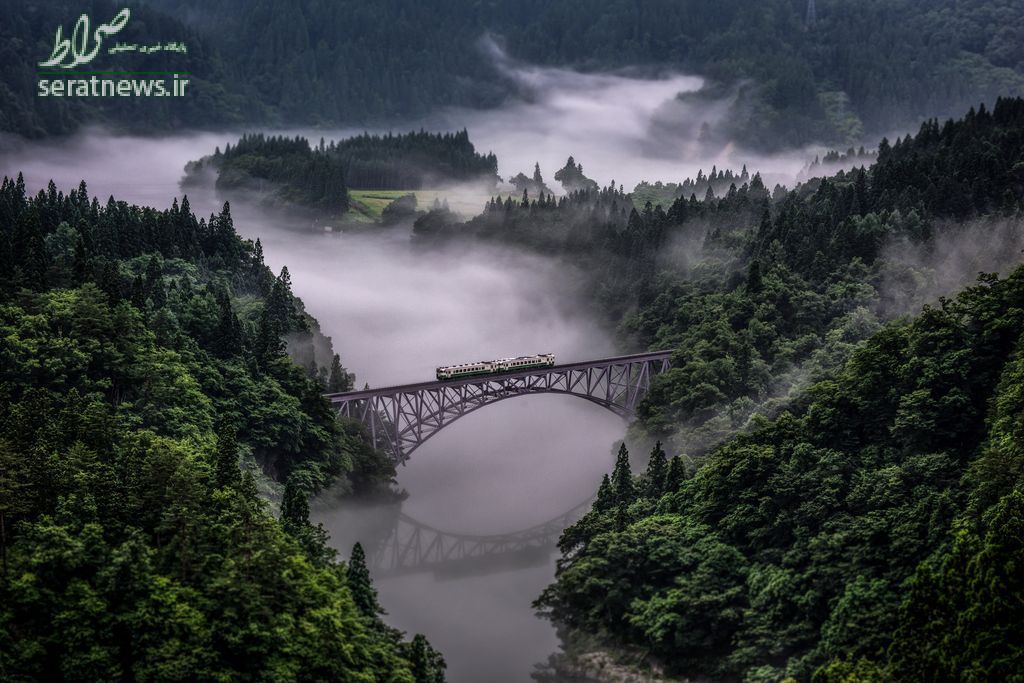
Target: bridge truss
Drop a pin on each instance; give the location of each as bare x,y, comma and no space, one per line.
399,419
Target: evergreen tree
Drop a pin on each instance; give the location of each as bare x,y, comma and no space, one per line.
294,507
675,475
228,334
227,472
361,586
622,479
248,488
339,379
269,344
755,282
427,664
605,496
657,469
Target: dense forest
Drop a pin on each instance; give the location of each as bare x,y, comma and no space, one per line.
865,523
289,171
871,533
27,38
148,395
717,182
412,161
763,290
850,70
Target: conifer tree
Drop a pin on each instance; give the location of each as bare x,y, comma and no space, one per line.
248,487
675,475
359,583
605,496
294,507
622,478
755,282
338,380
427,663
654,477
227,473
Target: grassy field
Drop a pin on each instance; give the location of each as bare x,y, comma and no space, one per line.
367,205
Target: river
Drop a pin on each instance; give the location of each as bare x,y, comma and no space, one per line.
394,312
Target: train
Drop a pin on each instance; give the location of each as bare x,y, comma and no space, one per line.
493,367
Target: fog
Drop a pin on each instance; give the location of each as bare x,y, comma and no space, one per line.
625,126
394,313
916,274
620,126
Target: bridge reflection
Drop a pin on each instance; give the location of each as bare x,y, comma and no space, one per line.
413,547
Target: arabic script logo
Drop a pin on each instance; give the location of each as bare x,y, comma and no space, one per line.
77,49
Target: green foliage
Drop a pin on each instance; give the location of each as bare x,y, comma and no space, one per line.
133,546
427,663
790,546
289,171
357,576
657,471
226,472
27,38
869,529
412,160
623,488
310,63
758,292
572,178
962,611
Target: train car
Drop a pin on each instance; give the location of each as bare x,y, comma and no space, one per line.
491,367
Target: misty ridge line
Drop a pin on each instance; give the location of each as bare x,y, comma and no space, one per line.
624,127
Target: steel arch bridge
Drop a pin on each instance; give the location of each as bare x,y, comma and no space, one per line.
400,419
413,546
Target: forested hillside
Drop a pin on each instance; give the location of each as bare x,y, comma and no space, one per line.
288,171
761,291
146,394
853,69
874,533
866,523
27,38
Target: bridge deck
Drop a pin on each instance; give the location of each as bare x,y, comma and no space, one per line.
436,384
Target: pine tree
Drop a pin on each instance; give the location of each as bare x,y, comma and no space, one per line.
268,339
657,468
675,475
621,517
228,335
427,663
339,380
755,282
248,487
359,583
294,507
227,473
605,496
14,486
622,479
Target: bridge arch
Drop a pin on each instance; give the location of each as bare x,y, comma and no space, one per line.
399,419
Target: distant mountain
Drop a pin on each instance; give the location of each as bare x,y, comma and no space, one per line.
851,71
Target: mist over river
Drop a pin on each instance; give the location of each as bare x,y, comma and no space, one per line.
395,312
